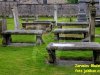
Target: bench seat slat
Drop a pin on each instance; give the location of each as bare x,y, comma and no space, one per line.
23,32
72,30
45,21
74,46
35,23
72,23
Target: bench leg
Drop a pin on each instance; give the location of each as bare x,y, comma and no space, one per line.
39,39
56,37
52,56
85,35
96,55
23,27
6,39
60,27
51,27
26,20
47,28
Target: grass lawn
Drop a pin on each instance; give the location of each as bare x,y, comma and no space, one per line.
32,60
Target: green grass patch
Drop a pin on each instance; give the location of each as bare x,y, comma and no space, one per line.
32,60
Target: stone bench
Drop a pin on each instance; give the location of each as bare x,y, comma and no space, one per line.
57,32
97,20
7,40
83,24
46,26
53,22
28,19
73,46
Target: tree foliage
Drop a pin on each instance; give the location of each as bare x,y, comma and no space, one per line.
72,1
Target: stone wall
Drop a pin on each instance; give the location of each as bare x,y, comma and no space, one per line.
39,9
0,27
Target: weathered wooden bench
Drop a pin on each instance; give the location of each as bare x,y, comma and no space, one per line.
57,32
7,40
83,24
46,26
73,46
